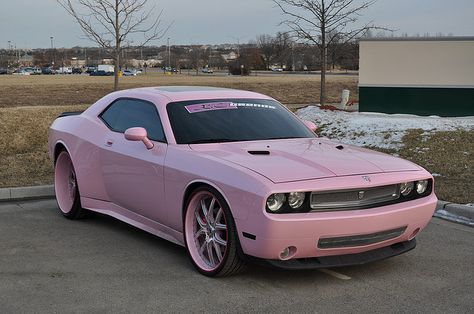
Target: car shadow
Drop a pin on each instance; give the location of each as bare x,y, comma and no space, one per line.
176,254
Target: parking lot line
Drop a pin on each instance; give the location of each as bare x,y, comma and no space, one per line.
334,274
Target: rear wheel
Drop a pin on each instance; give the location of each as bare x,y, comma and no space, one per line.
210,234
65,186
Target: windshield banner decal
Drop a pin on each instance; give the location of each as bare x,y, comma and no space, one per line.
223,106
210,106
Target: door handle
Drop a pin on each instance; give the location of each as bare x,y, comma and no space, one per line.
109,143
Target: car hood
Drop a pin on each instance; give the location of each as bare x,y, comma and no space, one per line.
304,159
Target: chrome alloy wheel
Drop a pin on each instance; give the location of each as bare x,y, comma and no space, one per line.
210,234
72,184
210,231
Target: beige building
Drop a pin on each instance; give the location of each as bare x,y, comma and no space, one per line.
427,76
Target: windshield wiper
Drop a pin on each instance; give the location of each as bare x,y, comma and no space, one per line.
213,140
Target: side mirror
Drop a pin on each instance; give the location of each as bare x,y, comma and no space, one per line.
310,125
138,134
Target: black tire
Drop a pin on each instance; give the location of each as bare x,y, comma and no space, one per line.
231,262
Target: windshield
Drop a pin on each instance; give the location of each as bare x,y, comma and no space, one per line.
232,120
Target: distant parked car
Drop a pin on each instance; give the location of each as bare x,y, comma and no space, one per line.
170,69
3,71
21,71
129,73
277,69
101,73
47,71
76,71
30,70
207,70
91,69
35,70
64,70
106,68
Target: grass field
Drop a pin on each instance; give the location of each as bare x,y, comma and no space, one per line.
60,90
28,105
450,156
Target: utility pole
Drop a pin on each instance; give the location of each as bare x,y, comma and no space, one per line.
169,54
292,56
238,53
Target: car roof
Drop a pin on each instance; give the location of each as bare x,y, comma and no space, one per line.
184,93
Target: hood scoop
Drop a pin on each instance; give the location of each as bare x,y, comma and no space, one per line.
258,152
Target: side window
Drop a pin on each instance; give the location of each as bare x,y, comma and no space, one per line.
128,113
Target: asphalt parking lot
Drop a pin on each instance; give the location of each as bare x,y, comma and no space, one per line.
49,264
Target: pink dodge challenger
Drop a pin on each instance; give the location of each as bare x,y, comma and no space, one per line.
234,176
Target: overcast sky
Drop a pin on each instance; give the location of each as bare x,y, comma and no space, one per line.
30,23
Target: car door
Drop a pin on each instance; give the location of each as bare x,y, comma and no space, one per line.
133,174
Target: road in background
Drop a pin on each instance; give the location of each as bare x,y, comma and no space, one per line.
349,74
49,264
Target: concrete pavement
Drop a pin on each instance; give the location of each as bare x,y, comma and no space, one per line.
49,264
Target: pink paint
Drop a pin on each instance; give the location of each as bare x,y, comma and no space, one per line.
138,134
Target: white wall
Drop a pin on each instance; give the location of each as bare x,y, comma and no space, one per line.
423,63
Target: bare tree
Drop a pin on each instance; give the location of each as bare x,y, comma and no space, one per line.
283,44
322,22
110,23
266,44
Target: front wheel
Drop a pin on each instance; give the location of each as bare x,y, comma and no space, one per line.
210,234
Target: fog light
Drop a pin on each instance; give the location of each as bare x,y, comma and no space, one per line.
421,186
406,188
296,199
287,253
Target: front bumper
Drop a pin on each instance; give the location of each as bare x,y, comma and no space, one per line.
306,232
339,260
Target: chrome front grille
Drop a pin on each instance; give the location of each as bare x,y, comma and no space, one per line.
354,198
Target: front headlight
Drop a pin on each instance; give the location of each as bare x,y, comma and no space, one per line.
421,186
296,199
276,201
406,188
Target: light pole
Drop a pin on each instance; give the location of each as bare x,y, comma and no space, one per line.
52,50
8,54
238,44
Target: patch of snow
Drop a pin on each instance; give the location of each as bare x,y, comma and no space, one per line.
378,129
434,174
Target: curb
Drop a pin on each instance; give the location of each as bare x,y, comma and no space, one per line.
28,192
458,213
